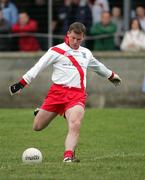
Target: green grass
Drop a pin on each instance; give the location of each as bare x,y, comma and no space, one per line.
111,147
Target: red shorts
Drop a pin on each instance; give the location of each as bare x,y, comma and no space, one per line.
61,98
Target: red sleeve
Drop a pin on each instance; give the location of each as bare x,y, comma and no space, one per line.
23,82
112,75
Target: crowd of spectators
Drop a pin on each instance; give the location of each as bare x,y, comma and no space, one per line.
105,26
20,24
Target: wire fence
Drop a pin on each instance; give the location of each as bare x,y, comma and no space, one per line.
45,37
61,37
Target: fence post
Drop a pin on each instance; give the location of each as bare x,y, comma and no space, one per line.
127,13
50,41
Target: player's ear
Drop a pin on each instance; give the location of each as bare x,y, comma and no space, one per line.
68,33
83,37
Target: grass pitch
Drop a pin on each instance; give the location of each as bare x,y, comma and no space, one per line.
111,147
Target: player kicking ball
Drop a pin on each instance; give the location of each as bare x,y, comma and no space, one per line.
67,94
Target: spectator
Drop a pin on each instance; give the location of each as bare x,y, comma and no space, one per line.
5,28
39,12
74,10
61,18
140,14
134,39
98,7
26,25
118,21
104,28
10,12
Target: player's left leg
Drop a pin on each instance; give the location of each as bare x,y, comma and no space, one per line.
74,118
42,119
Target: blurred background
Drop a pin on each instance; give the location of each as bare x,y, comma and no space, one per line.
115,35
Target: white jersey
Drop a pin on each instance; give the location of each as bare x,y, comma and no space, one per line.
64,72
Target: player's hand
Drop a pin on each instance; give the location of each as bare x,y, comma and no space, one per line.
15,88
115,79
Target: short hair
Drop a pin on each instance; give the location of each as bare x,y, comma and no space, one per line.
77,27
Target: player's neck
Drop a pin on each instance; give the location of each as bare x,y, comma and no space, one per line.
66,40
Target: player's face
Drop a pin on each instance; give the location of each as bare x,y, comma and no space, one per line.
75,39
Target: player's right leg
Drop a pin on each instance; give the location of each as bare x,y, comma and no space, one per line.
74,117
42,119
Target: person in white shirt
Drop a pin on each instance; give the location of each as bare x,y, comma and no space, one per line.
98,7
134,39
67,94
140,14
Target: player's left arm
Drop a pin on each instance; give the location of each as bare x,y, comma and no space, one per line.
103,71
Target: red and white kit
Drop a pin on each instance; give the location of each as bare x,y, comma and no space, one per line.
69,76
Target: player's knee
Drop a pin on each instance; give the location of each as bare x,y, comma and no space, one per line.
37,127
75,126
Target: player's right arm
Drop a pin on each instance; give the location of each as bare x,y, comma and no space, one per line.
48,58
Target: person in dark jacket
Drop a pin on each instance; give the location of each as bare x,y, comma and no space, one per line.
5,28
106,30
26,42
72,11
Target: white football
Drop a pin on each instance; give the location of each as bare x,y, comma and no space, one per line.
32,155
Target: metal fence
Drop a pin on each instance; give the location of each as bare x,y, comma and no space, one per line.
49,36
